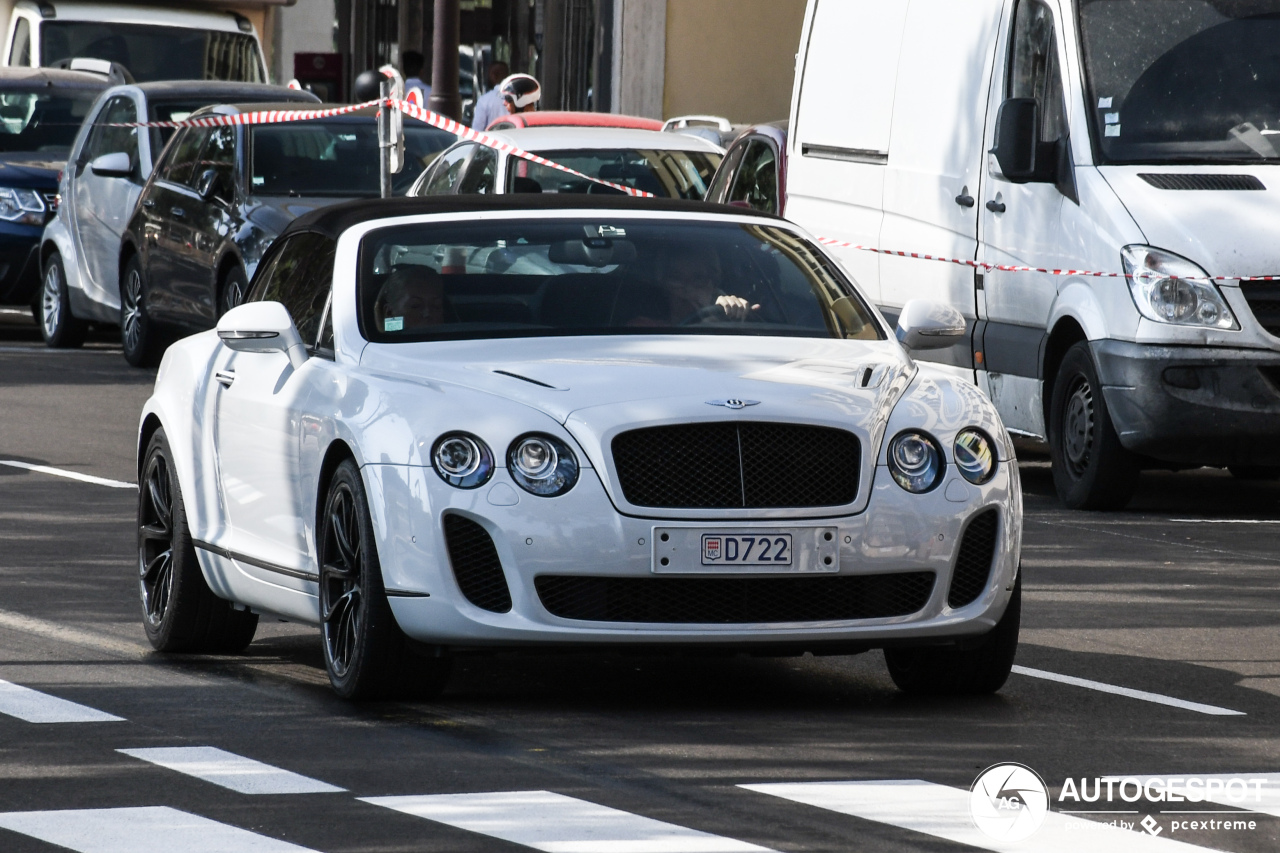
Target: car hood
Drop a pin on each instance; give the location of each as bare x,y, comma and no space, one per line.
32,169
1227,232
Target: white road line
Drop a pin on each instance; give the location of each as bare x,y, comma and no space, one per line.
1267,801
943,812
231,771
558,824
1226,520
36,707
1157,698
138,830
70,475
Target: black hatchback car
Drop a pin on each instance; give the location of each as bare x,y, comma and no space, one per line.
219,197
41,110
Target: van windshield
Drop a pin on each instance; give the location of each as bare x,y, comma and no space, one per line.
153,52
1183,81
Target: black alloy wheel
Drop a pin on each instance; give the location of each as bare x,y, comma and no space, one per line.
233,289
981,667
1091,469
60,328
365,653
179,611
138,334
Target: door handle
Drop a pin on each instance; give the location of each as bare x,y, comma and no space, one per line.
225,377
964,199
151,202
177,211
995,206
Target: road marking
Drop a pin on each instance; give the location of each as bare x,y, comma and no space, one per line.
70,475
48,351
36,707
558,824
1226,520
75,636
140,829
231,771
1157,698
943,812
1268,794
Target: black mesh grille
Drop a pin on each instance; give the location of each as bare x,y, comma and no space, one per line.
1167,181
476,564
1264,301
973,564
737,465
734,600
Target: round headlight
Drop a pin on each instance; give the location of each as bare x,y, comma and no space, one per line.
462,460
915,461
975,456
542,465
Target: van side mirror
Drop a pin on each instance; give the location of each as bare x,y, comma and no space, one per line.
262,327
1018,139
930,325
114,165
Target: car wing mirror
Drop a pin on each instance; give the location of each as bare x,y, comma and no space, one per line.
930,325
262,327
1017,139
209,184
114,165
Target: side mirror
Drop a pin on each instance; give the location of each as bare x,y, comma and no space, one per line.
210,184
262,327
1018,139
930,325
114,165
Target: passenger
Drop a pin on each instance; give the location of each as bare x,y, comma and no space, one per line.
411,299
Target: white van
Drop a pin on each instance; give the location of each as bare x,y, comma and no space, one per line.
1136,138
152,42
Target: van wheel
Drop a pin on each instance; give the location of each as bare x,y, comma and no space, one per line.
61,329
138,335
983,668
1091,469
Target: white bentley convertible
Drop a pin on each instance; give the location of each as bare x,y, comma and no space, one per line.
457,423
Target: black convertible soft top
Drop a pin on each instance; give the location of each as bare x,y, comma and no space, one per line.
337,218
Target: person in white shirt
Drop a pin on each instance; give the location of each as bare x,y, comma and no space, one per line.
489,106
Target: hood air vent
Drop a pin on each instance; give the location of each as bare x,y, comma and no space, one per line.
1167,181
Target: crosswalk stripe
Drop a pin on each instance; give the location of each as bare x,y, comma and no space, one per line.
36,707
229,770
943,812
1268,801
1157,698
556,823
140,830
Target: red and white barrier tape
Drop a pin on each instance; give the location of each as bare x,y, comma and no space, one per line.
987,267
257,117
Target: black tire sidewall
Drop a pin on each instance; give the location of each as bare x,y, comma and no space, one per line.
70,331
169,634
144,354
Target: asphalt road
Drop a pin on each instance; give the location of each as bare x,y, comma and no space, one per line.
1176,597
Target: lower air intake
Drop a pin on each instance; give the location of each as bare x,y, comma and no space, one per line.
973,564
476,564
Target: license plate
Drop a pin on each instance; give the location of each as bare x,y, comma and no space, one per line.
745,550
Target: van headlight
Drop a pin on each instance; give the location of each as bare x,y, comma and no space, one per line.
915,461
462,460
542,465
1168,288
975,456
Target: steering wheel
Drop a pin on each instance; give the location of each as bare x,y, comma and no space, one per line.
703,314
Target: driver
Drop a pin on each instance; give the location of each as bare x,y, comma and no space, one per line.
691,276
412,298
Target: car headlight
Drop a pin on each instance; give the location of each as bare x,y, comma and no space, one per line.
975,456
915,461
542,465
462,460
1170,289
23,206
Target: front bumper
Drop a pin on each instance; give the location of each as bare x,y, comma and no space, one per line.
19,263
1193,405
581,534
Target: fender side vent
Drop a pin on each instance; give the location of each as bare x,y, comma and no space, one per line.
476,564
1169,181
973,563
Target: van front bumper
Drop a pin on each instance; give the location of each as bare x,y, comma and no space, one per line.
1192,406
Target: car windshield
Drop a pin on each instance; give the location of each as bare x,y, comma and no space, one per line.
335,158
42,120
601,276
1183,80
668,174
154,52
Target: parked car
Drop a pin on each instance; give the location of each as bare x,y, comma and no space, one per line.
716,129
218,198
154,42
80,250
666,164
1025,133
657,423
753,172
40,112
573,118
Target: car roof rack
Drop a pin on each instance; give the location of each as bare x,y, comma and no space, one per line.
115,73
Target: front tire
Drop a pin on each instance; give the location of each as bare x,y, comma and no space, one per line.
179,611
983,668
60,328
1091,469
365,653
138,334
233,289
